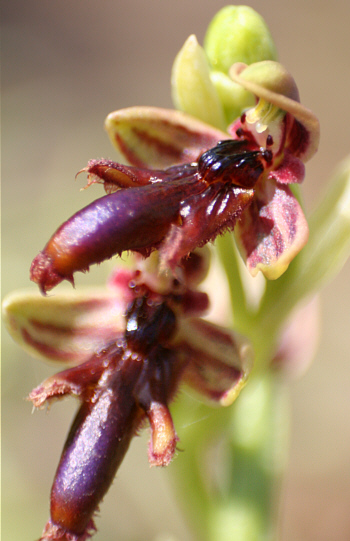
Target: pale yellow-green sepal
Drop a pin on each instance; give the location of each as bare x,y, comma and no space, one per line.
192,89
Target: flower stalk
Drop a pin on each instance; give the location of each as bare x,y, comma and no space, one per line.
228,484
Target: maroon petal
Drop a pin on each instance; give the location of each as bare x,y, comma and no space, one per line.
78,381
290,171
272,230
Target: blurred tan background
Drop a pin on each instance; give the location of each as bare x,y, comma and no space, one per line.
66,65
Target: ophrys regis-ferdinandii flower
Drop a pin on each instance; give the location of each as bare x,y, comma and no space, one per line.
188,182
131,347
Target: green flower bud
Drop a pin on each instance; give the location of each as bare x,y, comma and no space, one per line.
238,34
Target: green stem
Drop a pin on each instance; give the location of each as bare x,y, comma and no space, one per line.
228,257
227,478
198,427
256,455
253,325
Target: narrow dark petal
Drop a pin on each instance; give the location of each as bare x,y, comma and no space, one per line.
97,442
115,175
155,388
162,445
298,138
78,381
132,219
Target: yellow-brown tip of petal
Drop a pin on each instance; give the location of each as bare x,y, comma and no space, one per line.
162,445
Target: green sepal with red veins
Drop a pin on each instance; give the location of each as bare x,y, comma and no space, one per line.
218,360
159,138
64,328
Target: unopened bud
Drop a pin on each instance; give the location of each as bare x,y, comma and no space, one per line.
238,34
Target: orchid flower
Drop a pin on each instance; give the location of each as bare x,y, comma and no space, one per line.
208,183
130,346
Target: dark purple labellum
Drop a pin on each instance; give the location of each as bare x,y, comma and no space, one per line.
96,445
131,219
